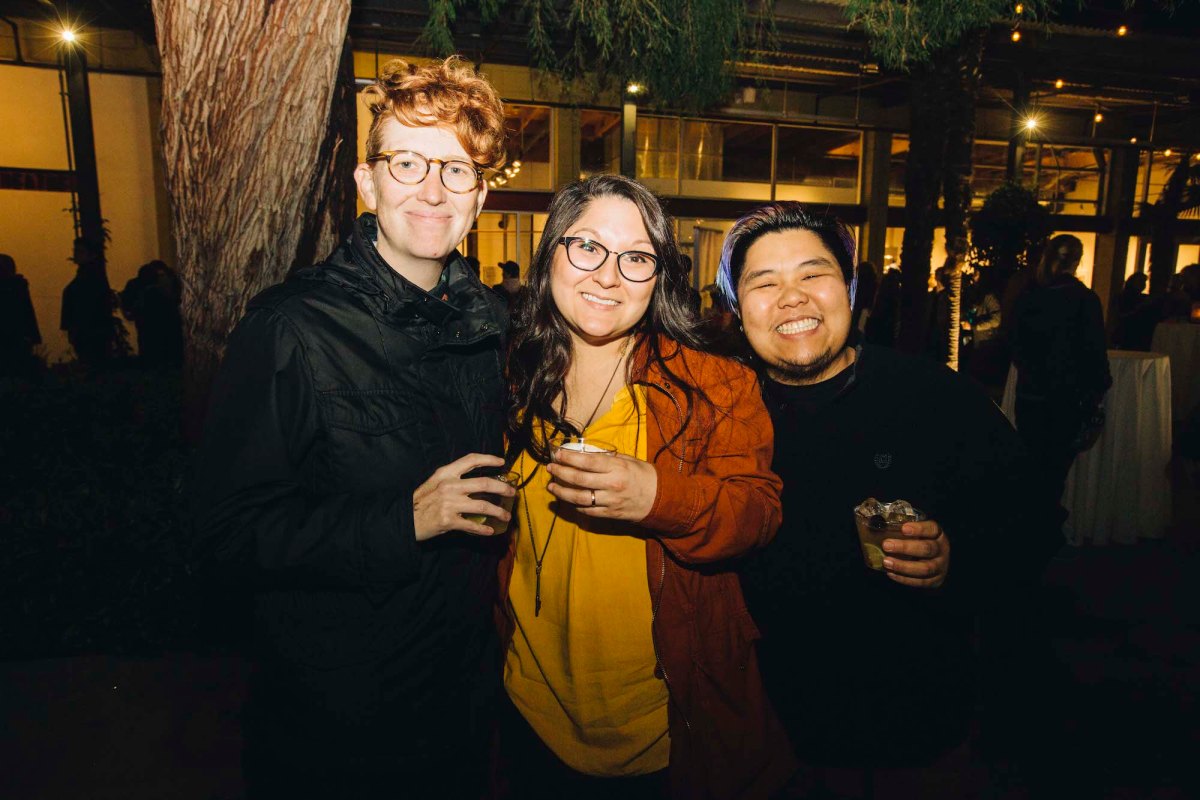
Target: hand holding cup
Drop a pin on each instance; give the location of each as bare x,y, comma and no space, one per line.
600,482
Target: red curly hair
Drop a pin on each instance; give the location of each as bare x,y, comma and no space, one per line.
448,93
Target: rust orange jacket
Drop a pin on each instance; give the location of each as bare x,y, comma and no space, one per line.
716,499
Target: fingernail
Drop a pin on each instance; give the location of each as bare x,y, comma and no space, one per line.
888,563
888,546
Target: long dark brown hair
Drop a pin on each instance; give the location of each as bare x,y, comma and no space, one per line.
541,347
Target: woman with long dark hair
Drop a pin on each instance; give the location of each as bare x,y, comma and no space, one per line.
630,663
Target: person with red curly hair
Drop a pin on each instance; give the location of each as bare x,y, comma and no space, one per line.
338,479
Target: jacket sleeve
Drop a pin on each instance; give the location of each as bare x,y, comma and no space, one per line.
252,513
730,504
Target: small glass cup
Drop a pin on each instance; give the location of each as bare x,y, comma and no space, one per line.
513,479
579,444
876,521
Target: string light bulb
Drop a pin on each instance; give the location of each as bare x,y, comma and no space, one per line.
1016,36
1058,84
1099,117
1020,9
1133,140
67,35
1121,31
1031,124
634,88
1168,152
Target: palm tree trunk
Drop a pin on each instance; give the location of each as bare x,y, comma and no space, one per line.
961,77
939,164
250,156
922,187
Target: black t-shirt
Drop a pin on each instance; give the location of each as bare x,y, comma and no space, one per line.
861,668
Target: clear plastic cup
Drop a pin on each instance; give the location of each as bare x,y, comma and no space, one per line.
876,521
513,479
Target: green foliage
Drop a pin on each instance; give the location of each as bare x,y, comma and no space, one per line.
1009,230
90,505
904,33
682,51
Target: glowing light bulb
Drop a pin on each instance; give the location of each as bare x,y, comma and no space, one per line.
67,35
1031,123
1168,152
1020,9
1121,31
634,88
1016,36
1099,117
1058,84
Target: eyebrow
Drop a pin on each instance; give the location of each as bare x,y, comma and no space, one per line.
596,238
819,261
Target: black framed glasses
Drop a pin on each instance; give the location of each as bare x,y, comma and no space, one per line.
409,168
634,265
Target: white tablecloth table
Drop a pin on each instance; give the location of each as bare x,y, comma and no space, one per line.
1118,490
1180,341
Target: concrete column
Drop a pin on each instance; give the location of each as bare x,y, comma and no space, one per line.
1018,133
564,153
629,140
1112,249
873,193
83,144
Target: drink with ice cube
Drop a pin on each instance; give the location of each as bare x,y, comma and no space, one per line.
877,521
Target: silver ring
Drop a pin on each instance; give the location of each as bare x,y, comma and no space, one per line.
593,498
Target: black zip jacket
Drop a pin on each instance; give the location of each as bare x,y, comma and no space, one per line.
342,390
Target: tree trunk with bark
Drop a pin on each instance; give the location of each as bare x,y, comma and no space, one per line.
255,170
961,90
939,166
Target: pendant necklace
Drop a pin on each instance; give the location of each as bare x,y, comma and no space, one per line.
538,559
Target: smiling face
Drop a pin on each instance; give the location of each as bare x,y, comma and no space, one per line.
422,224
602,306
795,307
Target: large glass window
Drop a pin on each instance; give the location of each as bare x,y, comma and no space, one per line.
818,166
1067,179
658,153
503,236
897,167
1153,171
989,161
599,142
527,139
726,159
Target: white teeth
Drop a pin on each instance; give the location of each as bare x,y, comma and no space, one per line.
799,326
601,300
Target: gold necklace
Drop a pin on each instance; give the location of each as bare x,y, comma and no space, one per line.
539,559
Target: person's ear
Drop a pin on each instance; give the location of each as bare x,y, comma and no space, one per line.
364,180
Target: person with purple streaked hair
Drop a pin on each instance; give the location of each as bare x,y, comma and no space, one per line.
870,668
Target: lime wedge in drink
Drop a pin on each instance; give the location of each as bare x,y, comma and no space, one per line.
873,555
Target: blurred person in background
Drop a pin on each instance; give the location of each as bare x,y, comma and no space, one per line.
19,332
1059,349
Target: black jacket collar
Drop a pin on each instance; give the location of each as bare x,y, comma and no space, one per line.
468,313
